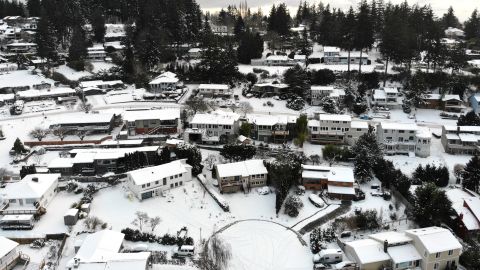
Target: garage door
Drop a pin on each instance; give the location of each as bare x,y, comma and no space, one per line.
147,195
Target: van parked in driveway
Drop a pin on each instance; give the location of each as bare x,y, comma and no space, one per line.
185,251
328,256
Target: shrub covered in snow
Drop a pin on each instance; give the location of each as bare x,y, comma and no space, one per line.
296,104
293,204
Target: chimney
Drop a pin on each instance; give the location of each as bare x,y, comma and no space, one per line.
385,246
35,179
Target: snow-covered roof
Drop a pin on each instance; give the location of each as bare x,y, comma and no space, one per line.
61,163
436,239
71,212
398,126
337,93
242,168
27,188
423,133
152,174
83,118
277,58
474,205
97,83
22,78
354,54
322,88
467,137
463,128
333,174
299,57
6,246
215,118
270,120
331,49
393,238
46,93
390,90
313,123
97,247
164,114
174,141
403,253
433,97
195,50
379,94
89,155
122,142
270,84
341,190
451,97
368,251
213,86
359,124
335,117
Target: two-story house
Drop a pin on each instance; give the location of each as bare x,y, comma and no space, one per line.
166,81
336,181
463,140
243,175
153,181
211,128
385,97
329,128
164,121
357,129
400,138
271,128
452,103
438,247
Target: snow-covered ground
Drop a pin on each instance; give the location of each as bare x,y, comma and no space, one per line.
71,74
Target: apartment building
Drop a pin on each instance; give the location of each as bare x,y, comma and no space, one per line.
271,128
336,181
317,93
431,248
404,139
244,175
329,128
153,181
461,140
210,128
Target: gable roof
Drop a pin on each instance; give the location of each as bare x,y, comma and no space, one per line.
27,188
150,174
6,245
242,168
436,239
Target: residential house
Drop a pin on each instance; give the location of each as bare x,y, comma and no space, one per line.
334,56
475,102
317,93
337,182
32,192
331,55
8,67
98,161
462,140
8,253
100,84
195,53
452,103
33,94
438,247
385,97
166,81
22,48
300,59
357,129
466,205
271,128
165,121
212,128
270,89
404,139
153,181
329,128
220,30
243,175
91,122
215,90
101,250
278,60
96,53
454,33
431,101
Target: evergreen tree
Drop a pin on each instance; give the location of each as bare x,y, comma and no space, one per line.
193,156
431,206
416,89
471,174
219,65
251,47
279,20
450,20
329,105
301,130
26,170
367,151
245,129
239,28
98,25
469,119
238,152
33,8
45,39
472,26
348,33
322,77
431,173
363,38
77,52
297,79
18,147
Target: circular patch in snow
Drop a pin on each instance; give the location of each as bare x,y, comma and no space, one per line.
265,245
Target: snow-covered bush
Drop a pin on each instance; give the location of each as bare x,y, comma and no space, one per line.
293,204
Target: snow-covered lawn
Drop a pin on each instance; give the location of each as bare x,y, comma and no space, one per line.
101,66
71,74
22,78
264,245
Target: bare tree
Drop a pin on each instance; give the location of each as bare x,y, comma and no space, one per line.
140,220
315,159
39,133
60,132
154,221
245,107
81,134
92,222
4,173
196,105
215,255
210,161
36,158
86,107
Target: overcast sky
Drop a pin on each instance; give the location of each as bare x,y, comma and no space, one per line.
463,8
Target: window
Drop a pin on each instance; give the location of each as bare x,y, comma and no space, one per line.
401,131
450,252
437,255
171,177
435,266
171,185
156,182
164,181
425,254
180,175
181,183
143,186
176,175
148,184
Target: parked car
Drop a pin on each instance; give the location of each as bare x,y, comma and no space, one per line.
316,200
328,256
345,234
185,251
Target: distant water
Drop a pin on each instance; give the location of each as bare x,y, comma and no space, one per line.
463,8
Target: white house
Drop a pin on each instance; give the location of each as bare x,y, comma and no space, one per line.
404,139
153,181
317,93
386,97
101,250
213,90
278,60
271,128
452,32
8,67
33,191
334,56
336,181
195,53
357,129
8,253
96,53
210,127
462,140
438,247
165,81
22,47
329,128
164,121
244,175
